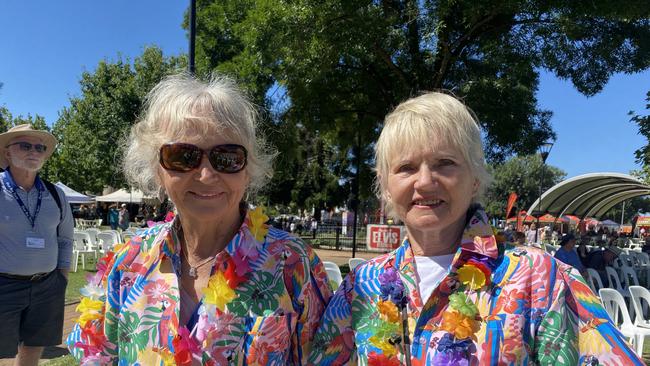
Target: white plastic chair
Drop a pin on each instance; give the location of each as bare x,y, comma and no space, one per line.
89,244
93,231
614,304
643,266
594,276
629,277
640,307
79,249
334,276
115,233
627,259
331,265
107,241
617,263
615,282
354,262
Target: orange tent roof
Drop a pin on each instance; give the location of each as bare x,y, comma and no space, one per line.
571,219
643,221
522,216
549,219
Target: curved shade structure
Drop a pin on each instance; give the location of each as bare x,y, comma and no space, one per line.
589,195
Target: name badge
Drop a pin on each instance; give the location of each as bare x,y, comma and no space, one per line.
35,242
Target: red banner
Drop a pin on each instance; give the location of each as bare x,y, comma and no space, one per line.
521,217
511,202
384,237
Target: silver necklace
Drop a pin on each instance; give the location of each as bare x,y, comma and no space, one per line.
193,271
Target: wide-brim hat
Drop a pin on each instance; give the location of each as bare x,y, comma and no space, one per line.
25,130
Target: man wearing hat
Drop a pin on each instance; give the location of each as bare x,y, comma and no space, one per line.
567,253
36,231
599,259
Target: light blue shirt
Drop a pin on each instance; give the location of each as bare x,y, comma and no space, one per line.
15,256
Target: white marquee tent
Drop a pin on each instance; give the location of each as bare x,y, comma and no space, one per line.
74,196
122,195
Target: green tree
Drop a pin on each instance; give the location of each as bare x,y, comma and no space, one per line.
92,128
643,154
5,119
521,175
344,64
632,207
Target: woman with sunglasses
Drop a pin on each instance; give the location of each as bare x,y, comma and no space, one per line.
217,286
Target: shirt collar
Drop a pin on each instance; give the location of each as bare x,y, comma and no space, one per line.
12,183
477,238
243,240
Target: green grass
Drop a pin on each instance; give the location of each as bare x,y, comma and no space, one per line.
61,361
77,280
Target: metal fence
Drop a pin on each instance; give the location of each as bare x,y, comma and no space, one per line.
334,236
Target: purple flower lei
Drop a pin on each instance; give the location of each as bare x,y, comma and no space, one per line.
392,288
452,352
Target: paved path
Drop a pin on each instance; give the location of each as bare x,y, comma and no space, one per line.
338,257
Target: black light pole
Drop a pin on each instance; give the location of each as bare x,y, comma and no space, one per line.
544,150
191,67
355,196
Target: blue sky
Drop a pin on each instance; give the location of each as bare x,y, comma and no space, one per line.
46,45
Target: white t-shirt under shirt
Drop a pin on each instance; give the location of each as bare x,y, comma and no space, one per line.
431,270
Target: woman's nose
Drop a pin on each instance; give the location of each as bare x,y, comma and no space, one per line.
206,172
425,177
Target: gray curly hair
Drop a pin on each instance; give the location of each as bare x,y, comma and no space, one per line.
181,103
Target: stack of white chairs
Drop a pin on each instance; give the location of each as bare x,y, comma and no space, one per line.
127,234
628,259
641,302
629,279
80,249
93,231
333,273
643,267
615,282
614,304
90,244
108,240
594,280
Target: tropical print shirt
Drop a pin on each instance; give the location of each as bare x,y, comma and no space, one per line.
262,304
515,308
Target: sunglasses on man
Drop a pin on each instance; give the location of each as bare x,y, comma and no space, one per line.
26,146
181,157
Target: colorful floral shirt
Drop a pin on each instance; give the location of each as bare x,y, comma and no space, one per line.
262,304
520,307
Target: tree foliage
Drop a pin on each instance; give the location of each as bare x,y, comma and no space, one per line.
92,128
343,65
522,175
643,154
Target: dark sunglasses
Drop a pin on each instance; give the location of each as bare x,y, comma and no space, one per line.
26,146
180,157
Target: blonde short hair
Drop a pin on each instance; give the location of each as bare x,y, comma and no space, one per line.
422,122
181,103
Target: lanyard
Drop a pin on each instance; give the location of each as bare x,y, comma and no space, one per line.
11,186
